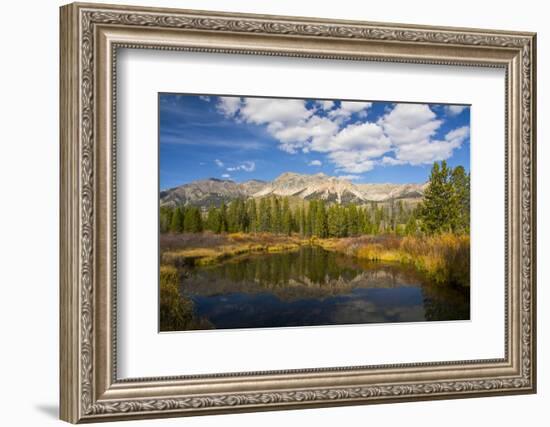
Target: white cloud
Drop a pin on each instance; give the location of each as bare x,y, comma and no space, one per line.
458,135
219,163
427,152
403,135
325,105
306,135
347,108
315,163
204,98
349,177
454,110
229,105
352,161
247,166
226,175
410,123
391,161
367,137
352,148
276,113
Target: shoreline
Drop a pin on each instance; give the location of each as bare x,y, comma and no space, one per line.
444,258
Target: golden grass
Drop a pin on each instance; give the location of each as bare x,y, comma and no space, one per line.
176,313
444,258
169,275
233,245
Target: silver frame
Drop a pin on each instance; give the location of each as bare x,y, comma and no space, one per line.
90,37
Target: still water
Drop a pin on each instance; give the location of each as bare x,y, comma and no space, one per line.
311,286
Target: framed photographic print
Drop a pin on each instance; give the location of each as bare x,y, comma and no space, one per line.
265,212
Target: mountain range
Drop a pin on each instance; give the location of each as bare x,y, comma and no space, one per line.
213,191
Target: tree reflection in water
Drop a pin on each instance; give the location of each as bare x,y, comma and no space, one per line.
312,286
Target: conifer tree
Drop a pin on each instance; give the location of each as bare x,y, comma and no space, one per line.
286,220
276,215
176,225
353,220
192,220
320,225
298,220
436,210
460,203
378,219
411,227
252,216
223,218
367,221
213,222
332,221
165,218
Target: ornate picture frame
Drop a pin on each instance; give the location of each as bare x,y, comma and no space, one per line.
90,37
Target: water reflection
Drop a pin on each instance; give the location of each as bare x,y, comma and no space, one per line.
312,286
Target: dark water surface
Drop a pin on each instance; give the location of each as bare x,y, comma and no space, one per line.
311,286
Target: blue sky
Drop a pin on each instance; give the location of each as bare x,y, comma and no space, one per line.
242,138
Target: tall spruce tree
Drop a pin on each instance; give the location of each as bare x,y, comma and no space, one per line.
437,210
320,224
286,218
213,222
165,218
252,216
223,218
353,220
176,225
192,220
460,182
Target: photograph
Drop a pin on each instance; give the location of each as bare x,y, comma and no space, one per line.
278,212
266,210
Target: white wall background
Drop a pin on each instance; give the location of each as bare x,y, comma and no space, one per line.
29,170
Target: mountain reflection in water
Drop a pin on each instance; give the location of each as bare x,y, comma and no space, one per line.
312,286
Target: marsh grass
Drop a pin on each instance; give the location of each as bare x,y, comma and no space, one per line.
188,250
444,258
176,311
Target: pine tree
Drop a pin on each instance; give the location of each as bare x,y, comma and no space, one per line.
192,220
460,182
332,221
353,220
378,219
310,218
276,215
252,216
436,211
165,218
367,227
298,220
286,220
213,222
265,215
223,218
343,222
303,220
411,227
320,225
176,225
232,217
401,213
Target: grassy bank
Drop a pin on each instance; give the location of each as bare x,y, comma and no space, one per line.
177,313
187,250
444,258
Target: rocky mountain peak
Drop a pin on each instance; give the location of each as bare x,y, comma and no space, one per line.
331,189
